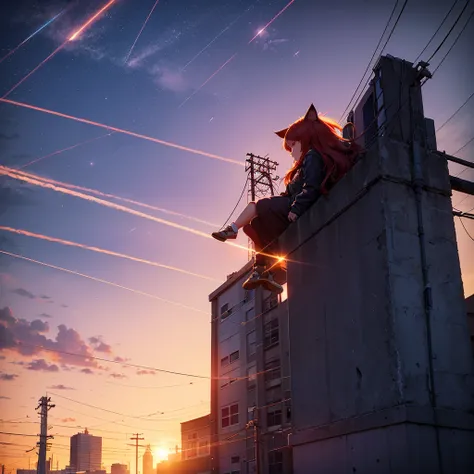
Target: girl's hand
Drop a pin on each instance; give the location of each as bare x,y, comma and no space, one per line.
292,217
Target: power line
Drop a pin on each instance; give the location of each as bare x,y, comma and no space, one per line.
238,202
454,43
465,229
380,40
455,113
436,32
464,146
449,32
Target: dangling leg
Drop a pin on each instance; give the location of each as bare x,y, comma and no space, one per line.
231,231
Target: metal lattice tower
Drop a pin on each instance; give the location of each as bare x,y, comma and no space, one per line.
260,180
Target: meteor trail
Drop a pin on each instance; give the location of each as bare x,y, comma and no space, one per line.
271,21
88,22
140,32
208,79
212,41
100,280
99,250
31,36
71,38
113,196
36,160
120,130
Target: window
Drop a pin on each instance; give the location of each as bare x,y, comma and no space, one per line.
271,333
225,361
251,343
225,311
252,375
273,394
270,302
249,295
192,449
274,417
234,459
230,415
234,356
272,370
203,448
275,462
250,314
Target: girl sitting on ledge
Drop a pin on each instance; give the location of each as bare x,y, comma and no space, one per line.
320,158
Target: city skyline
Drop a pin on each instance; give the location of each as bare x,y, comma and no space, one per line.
107,304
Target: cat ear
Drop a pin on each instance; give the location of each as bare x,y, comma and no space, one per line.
311,114
282,133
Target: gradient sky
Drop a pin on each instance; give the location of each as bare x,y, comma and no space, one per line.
313,52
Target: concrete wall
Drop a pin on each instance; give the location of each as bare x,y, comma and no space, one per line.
361,340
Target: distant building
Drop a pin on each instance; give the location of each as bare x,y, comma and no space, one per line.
250,388
195,446
86,452
119,469
148,461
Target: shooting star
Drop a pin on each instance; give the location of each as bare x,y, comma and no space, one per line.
121,130
102,251
59,48
90,20
100,280
271,21
217,37
208,79
36,160
31,36
117,198
140,32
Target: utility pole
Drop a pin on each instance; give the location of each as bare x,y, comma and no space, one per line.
253,423
45,406
136,439
260,170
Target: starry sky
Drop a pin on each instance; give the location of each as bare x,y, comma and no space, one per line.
209,77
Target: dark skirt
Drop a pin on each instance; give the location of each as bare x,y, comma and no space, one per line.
270,223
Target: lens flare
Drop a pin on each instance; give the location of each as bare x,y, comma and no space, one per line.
31,36
100,280
90,20
120,130
69,243
141,30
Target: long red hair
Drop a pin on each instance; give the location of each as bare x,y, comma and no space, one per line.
323,135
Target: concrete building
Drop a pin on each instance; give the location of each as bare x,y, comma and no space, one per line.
470,319
148,461
86,452
119,469
195,445
381,363
250,389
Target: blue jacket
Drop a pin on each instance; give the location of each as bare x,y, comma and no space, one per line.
305,187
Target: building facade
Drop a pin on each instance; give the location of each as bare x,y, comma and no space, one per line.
250,387
148,461
118,468
86,452
195,446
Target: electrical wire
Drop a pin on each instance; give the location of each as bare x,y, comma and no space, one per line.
384,46
454,43
436,32
370,60
449,32
455,113
465,229
238,202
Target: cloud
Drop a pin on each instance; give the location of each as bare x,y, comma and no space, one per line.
87,371
3,397
9,136
145,372
170,79
64,306
7,377
45,297
117,376
272,44
61,387
68,420
27,338
42,365
99,345
45,315
24,293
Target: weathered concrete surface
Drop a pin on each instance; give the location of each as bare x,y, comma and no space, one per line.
362,346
